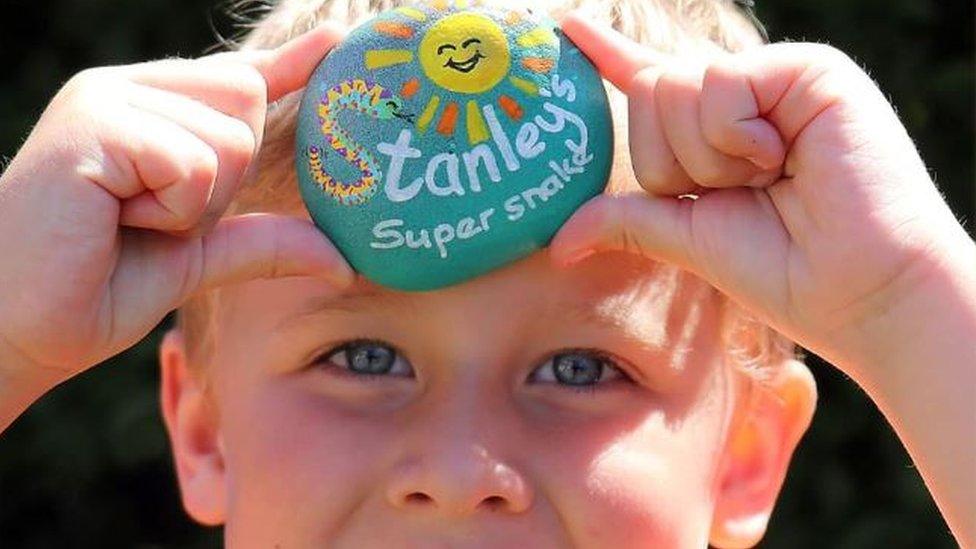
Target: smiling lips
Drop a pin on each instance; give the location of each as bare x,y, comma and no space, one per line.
467,65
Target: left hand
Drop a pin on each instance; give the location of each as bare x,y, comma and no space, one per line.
814,209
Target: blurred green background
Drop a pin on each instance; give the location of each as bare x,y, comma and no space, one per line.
88,465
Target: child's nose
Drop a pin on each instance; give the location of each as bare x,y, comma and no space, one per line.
462,483
456,459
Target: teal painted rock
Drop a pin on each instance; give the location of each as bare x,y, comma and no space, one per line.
440,141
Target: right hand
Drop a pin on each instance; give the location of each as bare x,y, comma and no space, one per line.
110,212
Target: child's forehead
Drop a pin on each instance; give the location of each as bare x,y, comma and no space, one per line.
650,303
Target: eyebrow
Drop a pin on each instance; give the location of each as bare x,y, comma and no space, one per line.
368,300
667,334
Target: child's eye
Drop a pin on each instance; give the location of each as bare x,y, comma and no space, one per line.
579,369
368,359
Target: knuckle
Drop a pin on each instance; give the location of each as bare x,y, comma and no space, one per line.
239,144
674,83
720,69
248,89
652,172
665,175
202,171
830,56
667,84
828,59
183,220
707,172
833,71
720,134
644,82
84,84
86,77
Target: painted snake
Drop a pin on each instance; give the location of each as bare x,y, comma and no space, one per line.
367,98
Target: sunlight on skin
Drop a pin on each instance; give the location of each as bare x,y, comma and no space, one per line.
633,461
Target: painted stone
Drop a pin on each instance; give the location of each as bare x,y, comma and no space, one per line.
442,140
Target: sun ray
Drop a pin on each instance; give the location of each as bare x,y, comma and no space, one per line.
477,130
396,30
428,113
511,107
377,59
412,13
410,87
526,86
513,18
538,36
439,5
538,64
446,124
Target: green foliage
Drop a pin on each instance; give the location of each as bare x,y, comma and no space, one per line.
89,464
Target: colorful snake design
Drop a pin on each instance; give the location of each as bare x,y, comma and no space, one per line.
367,98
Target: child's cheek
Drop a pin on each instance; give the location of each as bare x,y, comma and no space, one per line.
642,479
294,462
642,498
648,472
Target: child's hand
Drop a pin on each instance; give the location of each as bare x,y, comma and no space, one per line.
815,210
108,214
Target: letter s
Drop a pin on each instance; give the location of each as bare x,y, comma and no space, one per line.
513,208
384,229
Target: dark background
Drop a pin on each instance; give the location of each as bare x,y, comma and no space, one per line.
89,464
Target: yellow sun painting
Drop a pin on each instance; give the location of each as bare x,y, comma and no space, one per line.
457,56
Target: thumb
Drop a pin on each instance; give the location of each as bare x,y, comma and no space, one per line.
656,227
732,238
157,272
261,245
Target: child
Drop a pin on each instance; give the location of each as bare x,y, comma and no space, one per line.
589,395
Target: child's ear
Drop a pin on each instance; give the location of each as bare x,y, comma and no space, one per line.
763,435
192,424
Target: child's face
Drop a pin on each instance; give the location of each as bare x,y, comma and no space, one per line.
473,435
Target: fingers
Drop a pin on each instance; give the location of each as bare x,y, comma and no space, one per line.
253,246
231,144
288,67
692,126
730,117
161,271
653,227
616,57
238,78
728,238
162,173
680,101
234,89
655,165
215,98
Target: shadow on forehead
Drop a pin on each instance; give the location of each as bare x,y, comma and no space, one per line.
609,284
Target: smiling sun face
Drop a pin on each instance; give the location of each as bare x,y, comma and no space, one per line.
464,48
465,53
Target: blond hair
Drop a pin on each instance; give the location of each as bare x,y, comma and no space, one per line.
676,26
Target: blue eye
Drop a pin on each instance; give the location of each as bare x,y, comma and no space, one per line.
368,359
581,370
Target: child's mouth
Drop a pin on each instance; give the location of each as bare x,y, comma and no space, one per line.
467,65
